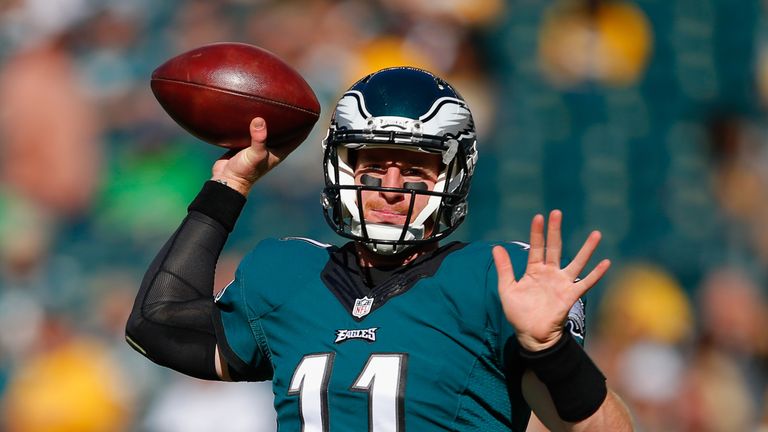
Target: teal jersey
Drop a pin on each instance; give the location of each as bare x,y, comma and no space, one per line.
422,351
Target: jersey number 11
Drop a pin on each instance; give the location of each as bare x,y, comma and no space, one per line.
382,377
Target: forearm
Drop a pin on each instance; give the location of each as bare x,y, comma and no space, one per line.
612,416
171,321
567,391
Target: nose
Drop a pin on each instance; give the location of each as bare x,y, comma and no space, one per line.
393,179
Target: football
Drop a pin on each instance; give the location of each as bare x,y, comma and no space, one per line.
215,90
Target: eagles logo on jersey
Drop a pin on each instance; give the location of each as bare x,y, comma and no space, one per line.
368,335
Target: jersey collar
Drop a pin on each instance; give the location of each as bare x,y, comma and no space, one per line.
343,276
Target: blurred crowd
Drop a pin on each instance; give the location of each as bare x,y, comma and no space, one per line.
94,176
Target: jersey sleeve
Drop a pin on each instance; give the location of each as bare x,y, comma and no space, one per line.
504,331
238,331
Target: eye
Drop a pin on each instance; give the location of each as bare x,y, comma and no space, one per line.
415,172
372,168
412,172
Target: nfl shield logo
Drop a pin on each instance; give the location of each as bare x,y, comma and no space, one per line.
362,307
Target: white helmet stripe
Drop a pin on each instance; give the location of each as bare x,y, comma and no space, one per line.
351,112
448,116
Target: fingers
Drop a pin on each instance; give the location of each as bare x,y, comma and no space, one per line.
593,277
536,254
554,247
504,270
581,259
258,130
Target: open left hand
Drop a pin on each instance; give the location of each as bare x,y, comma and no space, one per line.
537,305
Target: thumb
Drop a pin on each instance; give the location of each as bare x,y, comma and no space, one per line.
258,129
504,270
254,160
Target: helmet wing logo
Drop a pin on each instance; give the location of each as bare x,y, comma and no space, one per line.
449,116
351,112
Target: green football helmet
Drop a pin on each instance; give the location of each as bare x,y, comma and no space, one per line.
403,108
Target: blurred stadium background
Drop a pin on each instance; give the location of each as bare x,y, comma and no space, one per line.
643,118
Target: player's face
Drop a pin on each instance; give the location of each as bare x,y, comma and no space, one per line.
397,169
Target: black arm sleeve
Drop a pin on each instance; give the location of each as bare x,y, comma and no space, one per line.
171,321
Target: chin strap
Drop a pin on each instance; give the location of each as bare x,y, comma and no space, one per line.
386,249
387,232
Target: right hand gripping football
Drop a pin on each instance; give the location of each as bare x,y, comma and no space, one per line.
241,168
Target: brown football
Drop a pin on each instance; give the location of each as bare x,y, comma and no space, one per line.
215,90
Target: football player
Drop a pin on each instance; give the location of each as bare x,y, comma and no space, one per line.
392,330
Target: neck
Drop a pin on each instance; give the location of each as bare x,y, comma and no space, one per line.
368,258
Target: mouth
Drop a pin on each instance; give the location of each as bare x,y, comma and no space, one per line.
383,216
